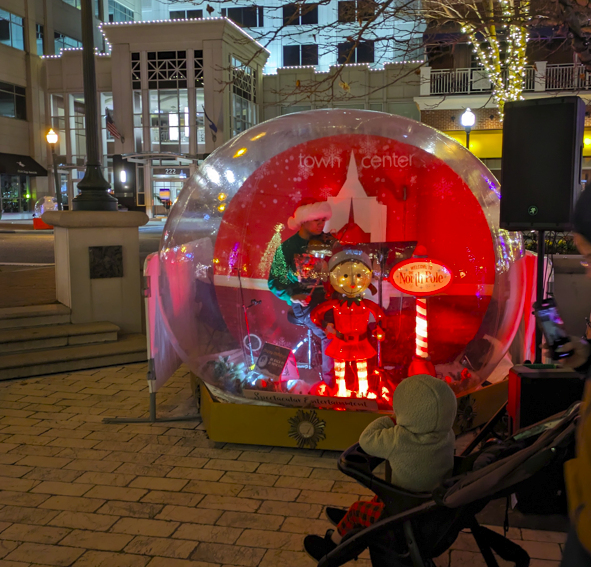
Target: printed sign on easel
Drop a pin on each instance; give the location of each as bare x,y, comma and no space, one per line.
277,362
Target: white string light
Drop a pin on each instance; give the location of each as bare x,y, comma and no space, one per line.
70,49
515,55
180,21
367,65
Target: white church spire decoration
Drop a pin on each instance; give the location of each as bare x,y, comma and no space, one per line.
369,215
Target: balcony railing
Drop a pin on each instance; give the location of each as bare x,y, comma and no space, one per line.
567,77
538,77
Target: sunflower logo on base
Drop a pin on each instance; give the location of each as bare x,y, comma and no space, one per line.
306,428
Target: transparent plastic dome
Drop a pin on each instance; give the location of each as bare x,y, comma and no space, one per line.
47,203
398,183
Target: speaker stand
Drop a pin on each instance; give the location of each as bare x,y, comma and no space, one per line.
540,289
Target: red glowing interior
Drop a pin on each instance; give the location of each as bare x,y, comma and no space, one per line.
427,202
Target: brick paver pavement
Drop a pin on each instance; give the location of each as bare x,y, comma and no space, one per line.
77,492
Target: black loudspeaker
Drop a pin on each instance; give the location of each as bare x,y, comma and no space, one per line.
538,393
541,165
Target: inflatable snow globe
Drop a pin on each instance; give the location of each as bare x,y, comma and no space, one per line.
325,256
47,203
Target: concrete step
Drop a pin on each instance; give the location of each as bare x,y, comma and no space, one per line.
56,336
34,316
129,348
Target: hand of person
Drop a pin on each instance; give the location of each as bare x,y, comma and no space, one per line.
330,330
301,298
581,350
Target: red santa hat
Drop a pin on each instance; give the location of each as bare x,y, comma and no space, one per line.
307,210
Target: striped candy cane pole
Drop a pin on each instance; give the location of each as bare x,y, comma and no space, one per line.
421,328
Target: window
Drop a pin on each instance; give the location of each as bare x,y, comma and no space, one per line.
413,48
295,14
244,96
356,10
13,103
347,11
62,41
167,69
363,53
15,194
39,38
75,3
136,71
296,55
168,100
185,14
107,139
119,12
138,125
247,17
58,121
169,120
164,119
11,30
77,110
136,84
291,55
198,54
199,100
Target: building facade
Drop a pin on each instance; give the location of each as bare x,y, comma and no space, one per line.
162,85
392,89
445,93
317,35
178,88
29,30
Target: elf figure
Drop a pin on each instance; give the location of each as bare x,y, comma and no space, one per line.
350,275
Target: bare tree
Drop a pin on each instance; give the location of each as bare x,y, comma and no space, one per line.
577,17
498,31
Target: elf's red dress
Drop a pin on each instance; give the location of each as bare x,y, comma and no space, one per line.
351,317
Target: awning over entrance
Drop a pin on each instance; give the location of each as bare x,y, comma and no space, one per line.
12,164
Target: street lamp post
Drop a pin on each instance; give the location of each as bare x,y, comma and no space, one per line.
52,139
468,119
94,195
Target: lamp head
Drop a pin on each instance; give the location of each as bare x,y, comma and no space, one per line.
51,137
468,118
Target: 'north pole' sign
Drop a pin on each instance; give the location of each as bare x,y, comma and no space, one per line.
421,277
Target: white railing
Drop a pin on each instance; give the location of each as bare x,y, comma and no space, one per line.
567,77
539,77
468,81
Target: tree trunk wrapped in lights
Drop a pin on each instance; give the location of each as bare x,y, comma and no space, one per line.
498,32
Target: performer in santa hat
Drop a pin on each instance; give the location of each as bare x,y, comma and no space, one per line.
308,220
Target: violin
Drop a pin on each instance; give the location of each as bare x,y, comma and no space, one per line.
321,245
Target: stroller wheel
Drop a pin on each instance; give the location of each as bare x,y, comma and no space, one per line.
335,515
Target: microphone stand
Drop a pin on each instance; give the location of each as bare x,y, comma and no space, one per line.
245,309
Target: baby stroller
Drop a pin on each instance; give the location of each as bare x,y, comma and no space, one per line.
415,528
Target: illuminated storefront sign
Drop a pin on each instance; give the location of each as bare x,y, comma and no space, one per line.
172,171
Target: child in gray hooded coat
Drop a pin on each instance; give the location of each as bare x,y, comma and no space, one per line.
418,442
